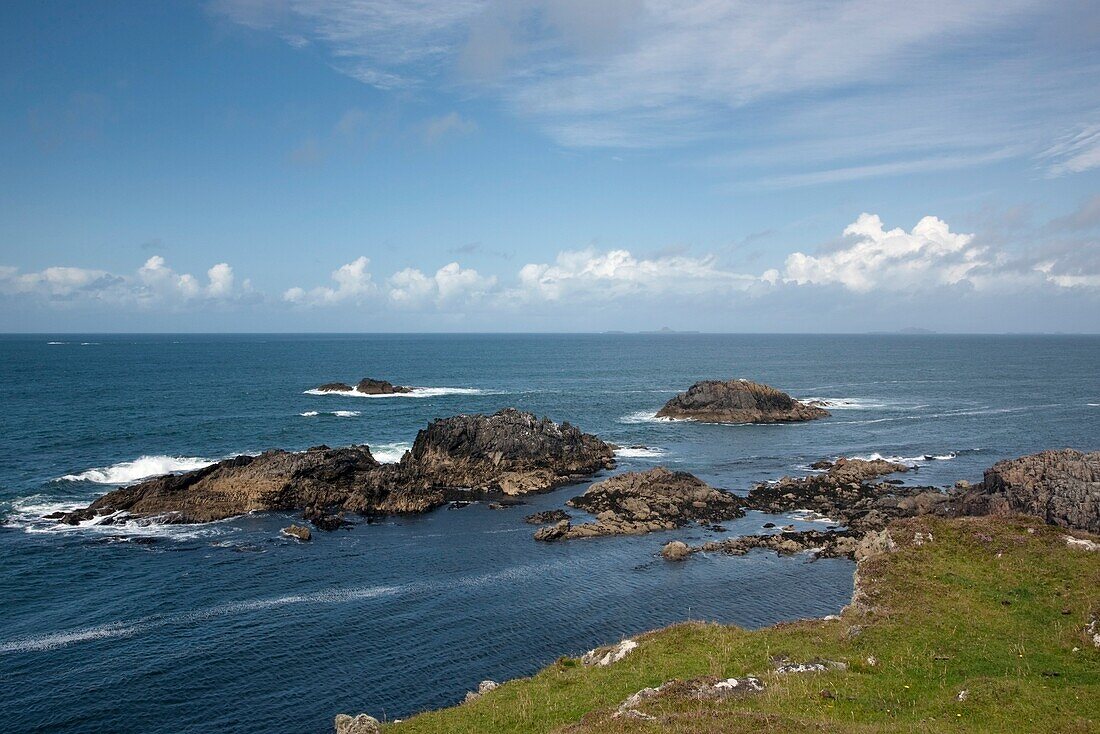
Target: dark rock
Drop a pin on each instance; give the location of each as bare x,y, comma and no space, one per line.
844,493
738,401
368,386
824,544
658,499
335,387
509,451
546,516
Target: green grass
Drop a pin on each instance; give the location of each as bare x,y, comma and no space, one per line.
991,606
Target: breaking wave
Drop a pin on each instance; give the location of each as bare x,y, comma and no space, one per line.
335,413
640,452
417,392
389,453
126,472
644,416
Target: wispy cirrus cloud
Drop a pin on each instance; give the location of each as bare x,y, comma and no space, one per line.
935,85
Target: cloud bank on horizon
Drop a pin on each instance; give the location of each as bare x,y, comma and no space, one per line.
868,259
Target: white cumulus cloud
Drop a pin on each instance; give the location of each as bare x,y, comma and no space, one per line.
153,283
930,255
451,283
353,283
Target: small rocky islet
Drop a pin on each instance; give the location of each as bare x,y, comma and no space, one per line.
738,401
366,386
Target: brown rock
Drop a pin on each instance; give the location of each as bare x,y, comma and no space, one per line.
1061,487
298,531
676,550
738,401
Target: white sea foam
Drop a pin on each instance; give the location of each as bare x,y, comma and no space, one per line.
389,453
417,392
309,414
852,403
334,413
140,468
644,416
56,343
909,460
640,452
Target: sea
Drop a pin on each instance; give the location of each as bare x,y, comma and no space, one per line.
232,627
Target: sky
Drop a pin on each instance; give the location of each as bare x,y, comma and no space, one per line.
549,166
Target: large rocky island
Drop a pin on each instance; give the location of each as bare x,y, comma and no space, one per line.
738,401
510,451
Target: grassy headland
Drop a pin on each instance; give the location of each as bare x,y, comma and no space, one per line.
980,629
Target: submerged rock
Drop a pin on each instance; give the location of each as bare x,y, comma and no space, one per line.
509,451
1060,487
635,503
738,401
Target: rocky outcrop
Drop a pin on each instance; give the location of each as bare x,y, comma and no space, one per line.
300,532
844,494
360,724
641,502
675,550
509,451
840,544
738,401
1061,487
546,516
366,386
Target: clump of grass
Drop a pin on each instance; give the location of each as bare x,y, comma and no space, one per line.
993,607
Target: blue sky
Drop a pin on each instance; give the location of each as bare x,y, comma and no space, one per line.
474,165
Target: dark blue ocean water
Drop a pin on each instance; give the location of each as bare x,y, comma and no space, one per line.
229,627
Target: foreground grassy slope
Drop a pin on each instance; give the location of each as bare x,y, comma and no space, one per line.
993,607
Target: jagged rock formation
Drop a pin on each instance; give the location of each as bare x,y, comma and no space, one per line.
366,386
509,451
845,494
298,531
738,401
546,516
641,502
1061,487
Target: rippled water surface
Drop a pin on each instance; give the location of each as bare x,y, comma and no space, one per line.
230,627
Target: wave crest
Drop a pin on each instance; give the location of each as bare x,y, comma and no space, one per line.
143,467
417,392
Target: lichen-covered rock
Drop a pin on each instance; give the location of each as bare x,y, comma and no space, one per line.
676,550
1061,487
360,724
738,401
657,499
